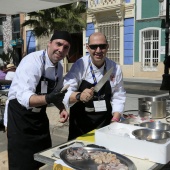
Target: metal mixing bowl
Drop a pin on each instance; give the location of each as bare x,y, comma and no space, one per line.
152,135
156,125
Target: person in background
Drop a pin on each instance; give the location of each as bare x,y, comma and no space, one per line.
9,75
2,73
3,99
90,110
10,71
38,81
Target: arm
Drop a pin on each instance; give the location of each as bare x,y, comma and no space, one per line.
85,96
37,100
24,84
118,95
73,78
116,117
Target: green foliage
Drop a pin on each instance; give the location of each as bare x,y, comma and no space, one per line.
11,55
70,17
5,57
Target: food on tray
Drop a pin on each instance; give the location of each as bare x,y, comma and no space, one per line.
104,157
77,154
103,160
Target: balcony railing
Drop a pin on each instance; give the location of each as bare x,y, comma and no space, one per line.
100,4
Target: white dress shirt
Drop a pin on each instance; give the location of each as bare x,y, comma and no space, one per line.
28,74
81,70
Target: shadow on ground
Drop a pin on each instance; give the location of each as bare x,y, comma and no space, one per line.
148,89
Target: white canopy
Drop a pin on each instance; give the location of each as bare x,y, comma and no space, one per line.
11,7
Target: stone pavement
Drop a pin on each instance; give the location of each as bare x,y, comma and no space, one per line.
59,131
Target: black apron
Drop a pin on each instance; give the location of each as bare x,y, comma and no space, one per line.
28,133
82,121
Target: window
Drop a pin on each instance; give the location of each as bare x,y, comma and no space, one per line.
149,53
111,30
31,47
16,24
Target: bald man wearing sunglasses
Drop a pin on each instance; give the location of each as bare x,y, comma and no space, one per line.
89,109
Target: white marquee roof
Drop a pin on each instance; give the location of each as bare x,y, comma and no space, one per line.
25,6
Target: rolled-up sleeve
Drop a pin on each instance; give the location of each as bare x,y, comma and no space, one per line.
73,78
29,84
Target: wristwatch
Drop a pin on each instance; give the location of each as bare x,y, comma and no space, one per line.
78,96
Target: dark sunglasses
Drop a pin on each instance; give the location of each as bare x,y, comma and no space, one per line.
95,46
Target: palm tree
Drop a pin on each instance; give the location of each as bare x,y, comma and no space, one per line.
70,17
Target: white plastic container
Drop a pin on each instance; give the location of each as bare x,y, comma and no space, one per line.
118,138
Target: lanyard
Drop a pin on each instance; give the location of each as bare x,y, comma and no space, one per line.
44,61
93,74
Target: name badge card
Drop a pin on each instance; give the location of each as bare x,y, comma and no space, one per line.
100,105
44,86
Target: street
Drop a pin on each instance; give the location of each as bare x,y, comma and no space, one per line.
148,89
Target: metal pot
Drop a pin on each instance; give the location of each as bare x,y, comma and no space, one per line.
156,125
153,107
152,135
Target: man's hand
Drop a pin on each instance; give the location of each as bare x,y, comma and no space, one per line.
116,117
87,95
55,97
64,116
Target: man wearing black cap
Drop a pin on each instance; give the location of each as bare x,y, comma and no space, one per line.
38,81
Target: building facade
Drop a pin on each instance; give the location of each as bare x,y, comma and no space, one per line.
114,18
149,44
135,33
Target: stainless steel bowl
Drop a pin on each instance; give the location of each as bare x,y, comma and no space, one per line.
152,135
156,125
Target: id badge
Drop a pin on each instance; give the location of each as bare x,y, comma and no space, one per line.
100,105
44,86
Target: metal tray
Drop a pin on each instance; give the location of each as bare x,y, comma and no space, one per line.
90,164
